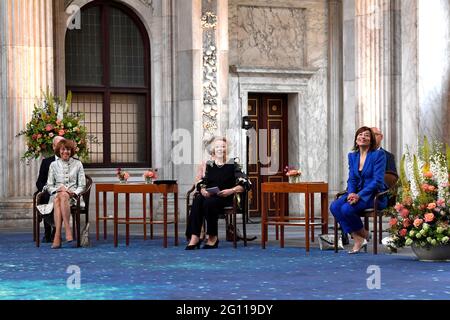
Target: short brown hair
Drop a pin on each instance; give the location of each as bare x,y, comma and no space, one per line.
373,142
68,144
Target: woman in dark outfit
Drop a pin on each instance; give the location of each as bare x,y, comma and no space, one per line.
228,177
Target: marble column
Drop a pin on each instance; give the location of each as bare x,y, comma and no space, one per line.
27,69
188,74
349,114
408,123
433,30
335,90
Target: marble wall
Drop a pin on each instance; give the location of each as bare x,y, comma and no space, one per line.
433,25
258,66
271,36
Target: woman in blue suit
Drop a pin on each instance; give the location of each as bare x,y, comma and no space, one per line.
365,179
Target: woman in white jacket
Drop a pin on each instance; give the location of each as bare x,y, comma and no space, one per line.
66,180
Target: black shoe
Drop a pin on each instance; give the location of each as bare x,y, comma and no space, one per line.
345,240
193,246
214,246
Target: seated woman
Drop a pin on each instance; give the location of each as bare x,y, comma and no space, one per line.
365,179
228,177
66,180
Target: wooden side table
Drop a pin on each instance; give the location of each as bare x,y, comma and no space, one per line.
103,188
130,188
281,189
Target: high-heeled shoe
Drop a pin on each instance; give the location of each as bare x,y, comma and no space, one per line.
56,247
212,246
193,246
363,246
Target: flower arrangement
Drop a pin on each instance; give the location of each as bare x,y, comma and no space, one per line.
421,216
292,174
51,118
122,175
149,175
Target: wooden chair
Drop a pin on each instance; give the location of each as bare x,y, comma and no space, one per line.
229,214
37,217
75,210
390,178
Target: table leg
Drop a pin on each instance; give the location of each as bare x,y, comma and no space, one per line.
307,220
176,217
105,215
115,219
276,214
263,221
127,218
312,216
151,215
96,214
165,219
282,208
144,207
324,212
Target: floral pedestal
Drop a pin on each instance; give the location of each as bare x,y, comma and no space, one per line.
294,179
437,253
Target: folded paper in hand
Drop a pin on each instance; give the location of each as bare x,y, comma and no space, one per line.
213,190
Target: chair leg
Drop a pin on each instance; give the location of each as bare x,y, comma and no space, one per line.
34,224
235,229
74,234
335,236
375,233
380,229
37,235
244,227
78,230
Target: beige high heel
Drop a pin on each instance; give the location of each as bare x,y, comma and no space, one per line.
363,246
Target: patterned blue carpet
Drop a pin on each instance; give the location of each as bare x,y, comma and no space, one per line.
145,270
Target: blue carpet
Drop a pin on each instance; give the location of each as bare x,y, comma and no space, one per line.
145,270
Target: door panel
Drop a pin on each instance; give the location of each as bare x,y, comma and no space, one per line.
268,113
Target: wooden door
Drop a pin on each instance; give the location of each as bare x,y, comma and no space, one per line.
267,150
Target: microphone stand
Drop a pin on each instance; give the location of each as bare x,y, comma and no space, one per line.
247,139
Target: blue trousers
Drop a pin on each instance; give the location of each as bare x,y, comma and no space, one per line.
348,215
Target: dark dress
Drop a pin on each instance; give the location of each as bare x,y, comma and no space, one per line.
225,177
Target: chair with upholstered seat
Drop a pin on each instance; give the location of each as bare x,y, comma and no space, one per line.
390,179
229,214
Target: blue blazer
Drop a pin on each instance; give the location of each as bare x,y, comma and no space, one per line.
371,180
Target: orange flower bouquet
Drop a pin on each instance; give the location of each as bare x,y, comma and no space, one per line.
422,215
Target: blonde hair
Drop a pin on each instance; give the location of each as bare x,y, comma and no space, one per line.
210,144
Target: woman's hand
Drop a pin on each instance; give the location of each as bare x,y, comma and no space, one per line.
205,193
61,188
352,198
226,193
